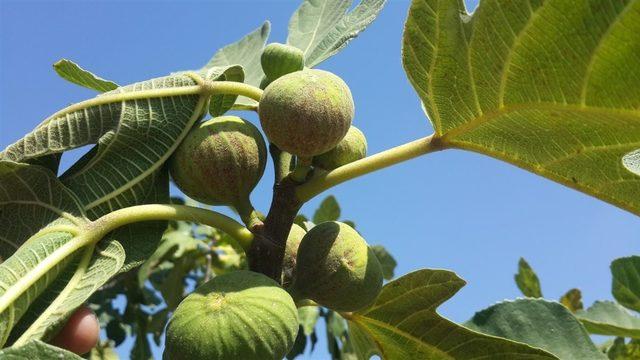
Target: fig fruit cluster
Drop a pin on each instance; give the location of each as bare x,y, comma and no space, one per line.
245,315
238,315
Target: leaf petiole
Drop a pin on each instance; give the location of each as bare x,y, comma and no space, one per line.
151,212
367,165
92,232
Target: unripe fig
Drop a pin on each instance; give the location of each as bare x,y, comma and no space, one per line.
238,315
306,113
351,148
336,268
280,59
220,161
290,253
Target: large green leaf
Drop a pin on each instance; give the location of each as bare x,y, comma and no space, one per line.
609,318
552,87
537,322
47,297
245,52
626,281
136,128
527,280
403,324
38,217
321,28
37,350
72,72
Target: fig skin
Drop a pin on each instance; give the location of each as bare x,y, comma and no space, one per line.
306,113
238,315
336,268
220,161
290,253
279,59
351,148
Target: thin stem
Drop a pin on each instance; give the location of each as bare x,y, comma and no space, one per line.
232,87
248,213
302,169
59,255
87,255
203,87
134,214
367,165
282,162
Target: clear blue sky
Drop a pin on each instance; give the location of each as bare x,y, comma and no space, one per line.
452,210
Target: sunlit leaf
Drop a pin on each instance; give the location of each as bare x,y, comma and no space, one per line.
321,28
552,87
527,280
403,324
245,52
626,281
609,318
540,323
72,72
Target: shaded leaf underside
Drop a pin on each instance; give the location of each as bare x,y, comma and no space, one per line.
321,28
38,216
134,137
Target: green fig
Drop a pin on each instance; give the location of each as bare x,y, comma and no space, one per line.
306,113
336,268
220,162
238,315
351,148
280,59
290,253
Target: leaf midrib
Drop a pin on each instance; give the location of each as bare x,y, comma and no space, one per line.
472,124
125,96
315,30
77,276
202,102
362,320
